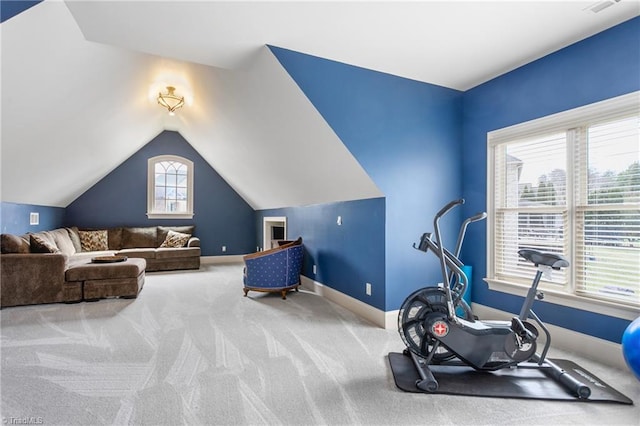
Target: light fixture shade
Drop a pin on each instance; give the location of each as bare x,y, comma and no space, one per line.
170,100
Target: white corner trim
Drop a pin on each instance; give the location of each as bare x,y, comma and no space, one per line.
216,260
170,215
368,312
594,348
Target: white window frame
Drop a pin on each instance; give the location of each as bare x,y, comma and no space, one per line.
151,164
601,111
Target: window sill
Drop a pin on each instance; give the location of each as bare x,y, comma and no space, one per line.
608,308
170,215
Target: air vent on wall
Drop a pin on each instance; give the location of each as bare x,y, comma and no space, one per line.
601,5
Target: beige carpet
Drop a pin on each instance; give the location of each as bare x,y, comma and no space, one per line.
192,350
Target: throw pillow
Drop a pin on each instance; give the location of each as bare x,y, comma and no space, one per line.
164,230
94,240
175,239
40,245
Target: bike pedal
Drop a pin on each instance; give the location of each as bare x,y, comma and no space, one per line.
518,327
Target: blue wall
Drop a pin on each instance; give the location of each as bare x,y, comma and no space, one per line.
407,136
10,8
14,218
346,256
221,216
603,66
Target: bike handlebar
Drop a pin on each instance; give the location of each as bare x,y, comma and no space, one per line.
436,226
448,207
477,217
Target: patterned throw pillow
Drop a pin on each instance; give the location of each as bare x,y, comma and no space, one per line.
94,240
40,245
175,239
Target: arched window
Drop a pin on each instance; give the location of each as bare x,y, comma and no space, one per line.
170,188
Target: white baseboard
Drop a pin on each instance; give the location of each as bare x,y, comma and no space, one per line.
590,347
368,312
216,260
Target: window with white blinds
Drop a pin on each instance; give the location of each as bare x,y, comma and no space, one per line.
570,184
607,260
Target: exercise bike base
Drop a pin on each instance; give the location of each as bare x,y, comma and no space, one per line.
576,387
513,383
428,383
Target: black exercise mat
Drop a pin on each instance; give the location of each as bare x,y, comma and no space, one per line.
524,383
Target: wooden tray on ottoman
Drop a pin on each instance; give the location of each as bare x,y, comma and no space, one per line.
108,259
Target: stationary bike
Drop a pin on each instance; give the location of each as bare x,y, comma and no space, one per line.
438,327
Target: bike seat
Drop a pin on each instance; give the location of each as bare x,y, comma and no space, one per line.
554,260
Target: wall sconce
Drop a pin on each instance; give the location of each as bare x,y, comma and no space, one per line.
170,100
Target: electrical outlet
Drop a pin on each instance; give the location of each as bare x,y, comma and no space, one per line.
314,269
367,289
339,221
224,248
34,218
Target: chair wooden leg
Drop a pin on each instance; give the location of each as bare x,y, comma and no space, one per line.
246,290
284,294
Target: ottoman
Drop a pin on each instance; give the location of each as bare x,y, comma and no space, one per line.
102,280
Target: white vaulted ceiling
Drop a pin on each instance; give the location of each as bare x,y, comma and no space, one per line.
456,44
78,79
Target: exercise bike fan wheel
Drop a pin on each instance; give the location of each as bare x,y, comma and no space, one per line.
413,313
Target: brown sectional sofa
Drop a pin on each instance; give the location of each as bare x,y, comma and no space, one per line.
145,242
56,266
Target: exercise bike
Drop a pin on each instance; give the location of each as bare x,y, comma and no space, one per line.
438,327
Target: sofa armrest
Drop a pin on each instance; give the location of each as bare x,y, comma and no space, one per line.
193,242
33,278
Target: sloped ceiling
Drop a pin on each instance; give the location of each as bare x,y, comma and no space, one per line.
79,77
455,44
72,110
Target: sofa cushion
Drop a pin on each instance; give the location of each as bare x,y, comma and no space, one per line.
93,240
74,235
145,253
63,241
164,230
14,244
40,244
176,253
114,238
84,256
175,239
139,237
